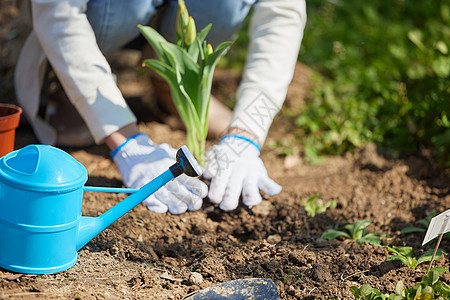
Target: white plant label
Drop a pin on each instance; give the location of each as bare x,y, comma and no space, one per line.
438,225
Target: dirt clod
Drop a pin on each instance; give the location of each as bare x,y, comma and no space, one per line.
195,278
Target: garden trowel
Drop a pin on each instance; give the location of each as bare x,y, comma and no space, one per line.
240,289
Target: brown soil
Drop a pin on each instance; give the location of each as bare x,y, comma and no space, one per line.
145,255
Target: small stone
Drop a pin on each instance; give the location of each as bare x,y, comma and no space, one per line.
291,161
273,239
140,239
209,209
263,209
195,278
322,242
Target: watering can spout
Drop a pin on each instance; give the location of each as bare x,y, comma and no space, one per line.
89,227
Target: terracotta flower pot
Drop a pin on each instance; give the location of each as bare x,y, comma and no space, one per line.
9,120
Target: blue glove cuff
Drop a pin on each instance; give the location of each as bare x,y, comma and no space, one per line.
241,138
114,152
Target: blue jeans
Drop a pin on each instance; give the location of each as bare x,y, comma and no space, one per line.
115,21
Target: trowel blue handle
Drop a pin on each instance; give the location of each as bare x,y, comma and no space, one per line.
109,189
91,226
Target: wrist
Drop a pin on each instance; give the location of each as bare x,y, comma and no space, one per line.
121,136
243,133
121,146
234,137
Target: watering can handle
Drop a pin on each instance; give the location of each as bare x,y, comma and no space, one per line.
109,190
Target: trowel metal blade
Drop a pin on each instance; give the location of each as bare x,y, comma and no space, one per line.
240,289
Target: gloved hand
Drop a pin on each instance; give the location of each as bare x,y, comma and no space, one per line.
234,167
140,160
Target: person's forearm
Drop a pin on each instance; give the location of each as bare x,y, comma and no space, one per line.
276,31
70,46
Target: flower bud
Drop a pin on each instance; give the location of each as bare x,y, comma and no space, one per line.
191,32
182,17
208,51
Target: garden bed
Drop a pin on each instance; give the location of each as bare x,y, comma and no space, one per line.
145,255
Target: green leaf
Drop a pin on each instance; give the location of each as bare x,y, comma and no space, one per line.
444,120
416,37
355,291
428,290
441,67
423,296
195,48
407,230
310,200
332,234
370,238
154,39
365,290
184,107
442,47
401,258
357,230
440,270
434,276
400,289
405,251
207,76
187,71
314,207
427,255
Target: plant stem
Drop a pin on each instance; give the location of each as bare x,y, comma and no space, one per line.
196,144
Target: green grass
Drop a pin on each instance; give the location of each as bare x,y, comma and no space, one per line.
383,70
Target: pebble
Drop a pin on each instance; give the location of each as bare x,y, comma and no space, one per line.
291,161
195,278
273,239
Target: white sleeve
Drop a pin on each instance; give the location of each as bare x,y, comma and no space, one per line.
70,45
276,32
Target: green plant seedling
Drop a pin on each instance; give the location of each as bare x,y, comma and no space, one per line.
286,277
356,232
314,207
431,287
366,292
188,67
138,221
404,254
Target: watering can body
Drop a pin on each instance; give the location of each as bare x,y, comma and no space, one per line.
40,210
41,194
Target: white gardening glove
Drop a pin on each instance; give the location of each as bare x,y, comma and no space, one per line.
234,167
140,160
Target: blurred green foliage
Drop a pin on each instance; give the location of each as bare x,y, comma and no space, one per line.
383,71
385,67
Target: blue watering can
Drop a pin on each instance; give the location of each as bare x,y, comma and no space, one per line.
41,194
